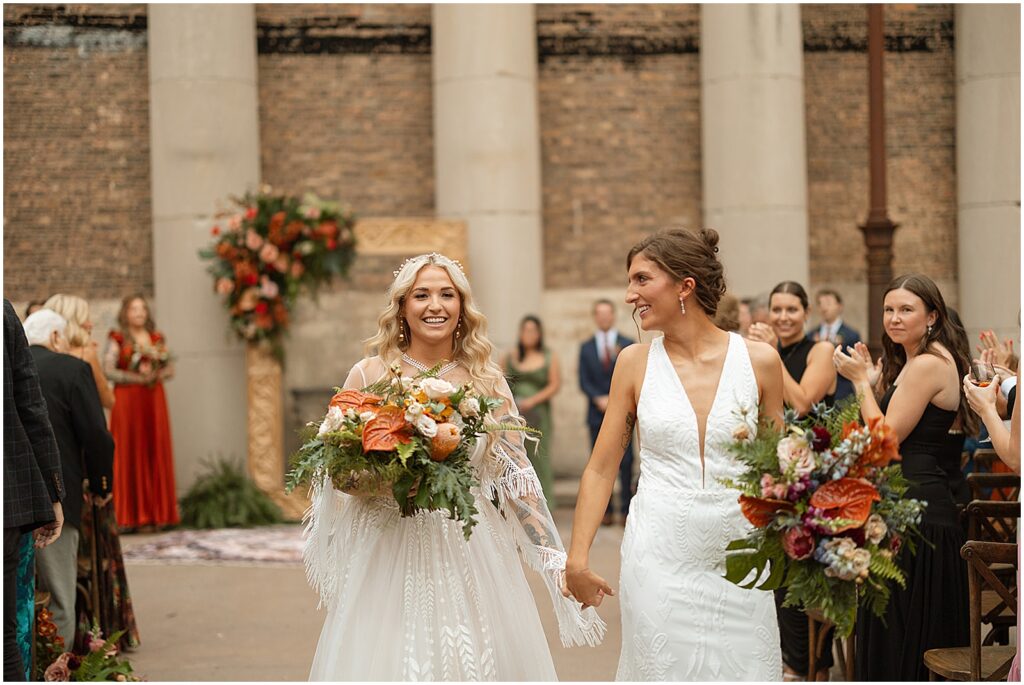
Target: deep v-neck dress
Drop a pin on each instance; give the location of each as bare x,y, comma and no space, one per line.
681,619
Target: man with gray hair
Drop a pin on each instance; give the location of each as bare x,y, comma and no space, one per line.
76,414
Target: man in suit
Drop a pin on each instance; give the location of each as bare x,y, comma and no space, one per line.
76,415
33,483
832,328
597,362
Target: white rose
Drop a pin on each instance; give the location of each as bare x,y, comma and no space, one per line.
425,425
861,560
797,453
332,422
469,406
436,388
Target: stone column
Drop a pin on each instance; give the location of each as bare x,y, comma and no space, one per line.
204,137
988,167
487,152
753,142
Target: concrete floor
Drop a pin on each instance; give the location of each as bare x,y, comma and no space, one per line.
261,623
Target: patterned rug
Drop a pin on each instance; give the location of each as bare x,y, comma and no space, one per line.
264,546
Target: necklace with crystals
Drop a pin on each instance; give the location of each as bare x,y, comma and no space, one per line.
424,368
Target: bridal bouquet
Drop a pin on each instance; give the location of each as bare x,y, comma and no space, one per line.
826,499
148,358
414,434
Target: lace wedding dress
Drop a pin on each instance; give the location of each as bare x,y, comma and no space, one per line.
412,599
681,619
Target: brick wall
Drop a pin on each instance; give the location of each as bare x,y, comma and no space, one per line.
619,89
920,141
76,151
346,110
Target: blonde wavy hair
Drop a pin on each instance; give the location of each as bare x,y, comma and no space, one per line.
471,348
75,311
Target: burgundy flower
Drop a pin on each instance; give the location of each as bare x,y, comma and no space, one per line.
798,543
822,439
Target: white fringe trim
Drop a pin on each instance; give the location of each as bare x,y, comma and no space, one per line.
319,555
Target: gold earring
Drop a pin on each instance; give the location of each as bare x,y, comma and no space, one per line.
401,330
458,329
682,306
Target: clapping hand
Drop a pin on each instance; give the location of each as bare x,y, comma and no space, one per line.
586,587
762,332
995,352
857,365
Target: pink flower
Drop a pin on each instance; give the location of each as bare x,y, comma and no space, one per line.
313,213
268,288
58,671
282,263
795,453
225,286
798,543
253,240
235,222
269,253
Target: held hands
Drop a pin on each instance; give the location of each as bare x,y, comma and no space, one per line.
762,332
857,365
586,587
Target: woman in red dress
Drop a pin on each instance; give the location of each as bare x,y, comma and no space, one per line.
137,361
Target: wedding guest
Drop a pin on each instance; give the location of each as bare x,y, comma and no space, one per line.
809,377
33,482
919,398
98,518
75,311
745,318
33,306
86,449
728,315
833,329
136,360
534,373
1001,352
597,362
759,309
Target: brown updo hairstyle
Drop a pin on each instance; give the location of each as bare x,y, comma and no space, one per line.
681,253
122,313
945,331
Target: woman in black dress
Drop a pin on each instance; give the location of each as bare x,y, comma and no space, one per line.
808,378
920,399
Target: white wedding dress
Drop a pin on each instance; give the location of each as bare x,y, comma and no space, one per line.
412,599
681,619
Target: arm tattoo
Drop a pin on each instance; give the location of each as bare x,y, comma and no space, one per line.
627,435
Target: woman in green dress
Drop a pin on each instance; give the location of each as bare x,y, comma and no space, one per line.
534,375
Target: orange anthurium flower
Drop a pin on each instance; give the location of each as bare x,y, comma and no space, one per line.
884,447
386,430
846,498
353,399
760,511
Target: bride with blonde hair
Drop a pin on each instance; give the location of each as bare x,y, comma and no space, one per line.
411,598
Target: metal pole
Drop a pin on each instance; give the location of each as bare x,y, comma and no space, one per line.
879,228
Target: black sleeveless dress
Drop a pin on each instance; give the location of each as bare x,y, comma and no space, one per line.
932,611
793,637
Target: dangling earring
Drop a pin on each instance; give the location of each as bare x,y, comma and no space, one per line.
458,329
929,329
401,330
682,307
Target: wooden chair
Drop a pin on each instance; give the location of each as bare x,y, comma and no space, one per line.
979,661
992,521
994,486
817,632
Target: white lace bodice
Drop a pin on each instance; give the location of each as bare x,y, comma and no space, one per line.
667,424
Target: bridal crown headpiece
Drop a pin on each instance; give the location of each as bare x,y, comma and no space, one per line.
424,257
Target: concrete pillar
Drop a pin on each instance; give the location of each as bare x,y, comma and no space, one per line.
988,167
753,142
204,138
487,152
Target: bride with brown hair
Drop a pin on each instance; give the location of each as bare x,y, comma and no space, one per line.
411,598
